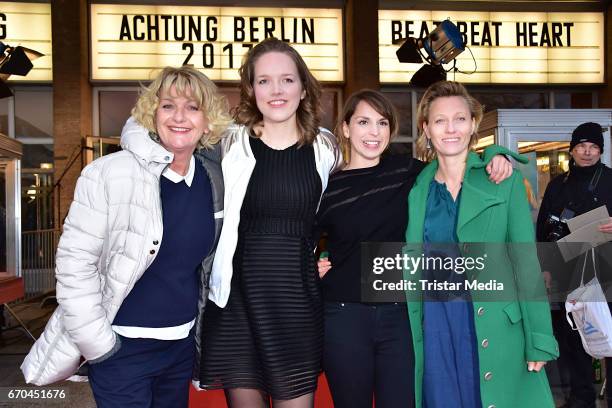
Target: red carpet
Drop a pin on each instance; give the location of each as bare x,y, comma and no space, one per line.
216,399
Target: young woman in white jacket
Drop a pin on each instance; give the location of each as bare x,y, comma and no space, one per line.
136,252
263,339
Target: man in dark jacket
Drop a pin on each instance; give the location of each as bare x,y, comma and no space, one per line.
586,186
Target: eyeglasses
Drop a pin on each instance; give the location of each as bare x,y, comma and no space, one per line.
583,149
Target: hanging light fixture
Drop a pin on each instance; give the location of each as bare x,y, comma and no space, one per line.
441,46
14,61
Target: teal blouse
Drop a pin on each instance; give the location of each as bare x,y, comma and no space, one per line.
441,216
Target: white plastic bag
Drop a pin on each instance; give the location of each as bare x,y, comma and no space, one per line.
591,315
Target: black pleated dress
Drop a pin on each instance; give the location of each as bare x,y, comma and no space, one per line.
270,334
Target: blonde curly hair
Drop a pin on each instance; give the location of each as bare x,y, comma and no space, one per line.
186,81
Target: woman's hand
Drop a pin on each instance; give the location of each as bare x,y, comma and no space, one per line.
607,228
499,169
535,365
324,266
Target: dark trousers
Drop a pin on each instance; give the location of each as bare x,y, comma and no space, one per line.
577,361
609,381
145,373
368,352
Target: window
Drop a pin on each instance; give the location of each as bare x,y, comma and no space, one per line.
115,108
33,122
4,121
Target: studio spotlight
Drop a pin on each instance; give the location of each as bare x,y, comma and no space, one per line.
14,61
441,46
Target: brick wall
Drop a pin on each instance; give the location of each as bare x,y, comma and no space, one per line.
71,94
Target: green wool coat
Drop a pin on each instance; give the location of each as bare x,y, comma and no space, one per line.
513,326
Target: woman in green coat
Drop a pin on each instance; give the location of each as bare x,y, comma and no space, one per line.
474,351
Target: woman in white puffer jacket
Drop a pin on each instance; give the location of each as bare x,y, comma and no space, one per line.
121,289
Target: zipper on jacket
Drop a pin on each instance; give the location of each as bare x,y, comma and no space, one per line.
143,252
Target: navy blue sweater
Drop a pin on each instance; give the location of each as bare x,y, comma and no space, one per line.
167,293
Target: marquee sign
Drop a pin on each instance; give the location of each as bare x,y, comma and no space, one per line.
132,42
509,47
28,25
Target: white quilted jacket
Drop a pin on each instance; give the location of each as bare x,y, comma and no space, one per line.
111,230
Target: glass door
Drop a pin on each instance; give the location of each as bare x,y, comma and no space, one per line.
547,150
548,153
100,146
546,161
10,207
543,135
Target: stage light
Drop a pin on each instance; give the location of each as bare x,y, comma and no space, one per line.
14,61
441,46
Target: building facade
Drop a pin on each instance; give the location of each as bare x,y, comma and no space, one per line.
71,107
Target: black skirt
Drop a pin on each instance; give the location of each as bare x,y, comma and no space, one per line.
270,334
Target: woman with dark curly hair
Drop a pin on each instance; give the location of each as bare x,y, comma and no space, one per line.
263,339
